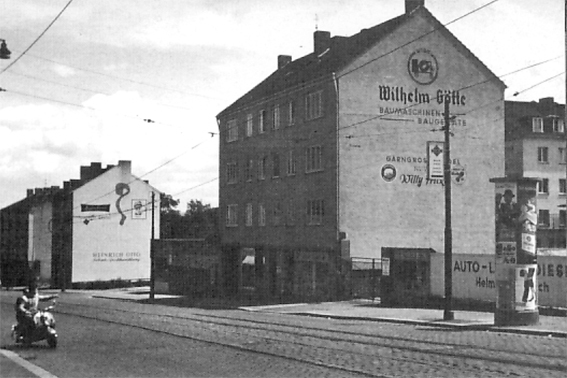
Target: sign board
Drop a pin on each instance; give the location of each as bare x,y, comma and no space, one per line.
506,252
435,158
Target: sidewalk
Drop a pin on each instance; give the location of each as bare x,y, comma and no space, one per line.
361,309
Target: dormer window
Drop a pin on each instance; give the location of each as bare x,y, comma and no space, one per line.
537,125
558,125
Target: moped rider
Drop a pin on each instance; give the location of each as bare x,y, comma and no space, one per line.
26,307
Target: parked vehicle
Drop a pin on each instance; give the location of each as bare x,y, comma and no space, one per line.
43,329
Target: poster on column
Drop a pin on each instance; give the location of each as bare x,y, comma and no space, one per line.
527,222
525,286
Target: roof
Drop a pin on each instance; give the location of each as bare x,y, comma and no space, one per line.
311,67
342,51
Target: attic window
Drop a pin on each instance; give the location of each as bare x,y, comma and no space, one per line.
558,125
537,125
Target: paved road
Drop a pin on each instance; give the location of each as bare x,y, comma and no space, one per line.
108,338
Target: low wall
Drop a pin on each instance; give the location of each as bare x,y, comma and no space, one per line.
473,278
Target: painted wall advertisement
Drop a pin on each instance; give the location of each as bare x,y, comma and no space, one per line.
474,277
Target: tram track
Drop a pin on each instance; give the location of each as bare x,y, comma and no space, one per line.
319,346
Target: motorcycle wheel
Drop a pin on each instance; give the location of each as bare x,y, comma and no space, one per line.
52,341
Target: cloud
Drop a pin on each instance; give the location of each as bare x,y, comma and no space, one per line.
64,71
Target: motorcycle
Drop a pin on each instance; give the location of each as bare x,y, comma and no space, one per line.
43,329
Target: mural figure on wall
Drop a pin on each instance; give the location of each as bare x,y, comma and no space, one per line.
122,190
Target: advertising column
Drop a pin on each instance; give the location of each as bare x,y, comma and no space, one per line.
516,261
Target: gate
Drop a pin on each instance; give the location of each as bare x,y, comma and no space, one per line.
365,277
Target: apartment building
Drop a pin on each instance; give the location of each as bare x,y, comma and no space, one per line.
535,147
335,155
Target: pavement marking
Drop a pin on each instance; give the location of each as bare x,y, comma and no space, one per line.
27,365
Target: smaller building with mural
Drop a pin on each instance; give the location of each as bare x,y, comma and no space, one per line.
97,228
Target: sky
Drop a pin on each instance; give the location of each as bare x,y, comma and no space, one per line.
84,91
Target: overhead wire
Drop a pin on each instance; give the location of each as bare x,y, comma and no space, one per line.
466,87
416,39
115,77
149,172
87,89
140,118
392,51
539,83
37,39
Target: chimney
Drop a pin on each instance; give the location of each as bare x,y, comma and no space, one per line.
85,173
125,168
322,41
412,5
283,60
546,106
29,193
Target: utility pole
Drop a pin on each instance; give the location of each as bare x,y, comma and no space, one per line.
448,312
152,257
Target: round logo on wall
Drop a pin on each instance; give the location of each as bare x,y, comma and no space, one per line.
423,66
388,172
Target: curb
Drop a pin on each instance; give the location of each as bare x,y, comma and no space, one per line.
471,326
441,324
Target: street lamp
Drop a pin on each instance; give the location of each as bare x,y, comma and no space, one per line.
4,52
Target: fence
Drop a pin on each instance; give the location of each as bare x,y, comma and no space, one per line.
365,277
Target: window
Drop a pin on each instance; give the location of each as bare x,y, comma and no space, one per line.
562,218
276,117
249,174
542,155
562,186
313,106
290,113
543,218
232,215
232,173
291,163
537,125
315,212
262,121
313,159
562,157
276,161
262,163
231,131
248,214
261,215
249,125
277,215
290,213
543,186
558,125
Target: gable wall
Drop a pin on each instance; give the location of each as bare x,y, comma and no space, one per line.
113,244
408,211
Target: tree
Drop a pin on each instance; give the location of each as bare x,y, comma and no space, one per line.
170,218
167,203
200,221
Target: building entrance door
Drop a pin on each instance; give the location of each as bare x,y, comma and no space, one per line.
407,281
